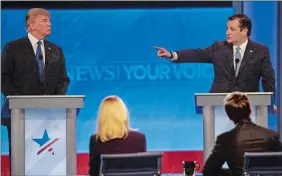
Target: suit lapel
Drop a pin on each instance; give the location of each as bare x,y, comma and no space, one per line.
247,55
47,50
28,48
30,55
229,57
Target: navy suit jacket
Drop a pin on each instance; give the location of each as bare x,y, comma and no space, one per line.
19,70
255,64
133,143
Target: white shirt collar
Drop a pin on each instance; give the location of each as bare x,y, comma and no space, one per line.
34,40
243,46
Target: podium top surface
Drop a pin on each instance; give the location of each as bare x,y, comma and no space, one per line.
220,94
216,99
45,101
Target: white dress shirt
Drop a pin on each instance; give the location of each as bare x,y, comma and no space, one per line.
242,50
34,44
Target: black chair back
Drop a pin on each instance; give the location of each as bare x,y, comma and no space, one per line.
131,164
263,163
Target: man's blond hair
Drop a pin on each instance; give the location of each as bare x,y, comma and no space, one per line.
32,14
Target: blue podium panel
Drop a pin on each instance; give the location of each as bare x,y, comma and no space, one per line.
45,142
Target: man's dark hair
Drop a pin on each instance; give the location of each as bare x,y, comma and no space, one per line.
244,22
237,107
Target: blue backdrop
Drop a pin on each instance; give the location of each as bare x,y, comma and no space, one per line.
110,52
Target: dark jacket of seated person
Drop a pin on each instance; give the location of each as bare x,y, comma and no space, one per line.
113,134
245,137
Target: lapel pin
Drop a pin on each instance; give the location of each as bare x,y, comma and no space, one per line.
251,51
49,48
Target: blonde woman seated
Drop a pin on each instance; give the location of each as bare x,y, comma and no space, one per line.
113,134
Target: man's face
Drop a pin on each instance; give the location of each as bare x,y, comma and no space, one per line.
234,34
42,25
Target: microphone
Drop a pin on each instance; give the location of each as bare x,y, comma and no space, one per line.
40,57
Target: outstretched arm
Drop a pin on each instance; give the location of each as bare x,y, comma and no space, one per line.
189,55
195,55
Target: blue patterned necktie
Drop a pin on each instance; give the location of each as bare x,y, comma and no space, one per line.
39,59
237,55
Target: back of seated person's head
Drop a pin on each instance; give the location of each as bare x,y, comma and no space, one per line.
113,120
237,107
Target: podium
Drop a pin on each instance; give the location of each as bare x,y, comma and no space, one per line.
43,134
208,101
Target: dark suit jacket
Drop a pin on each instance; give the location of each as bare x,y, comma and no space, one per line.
135,142
19,71
256,64
231,146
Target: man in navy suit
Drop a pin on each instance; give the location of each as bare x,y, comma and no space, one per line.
27,69
239,63
32,65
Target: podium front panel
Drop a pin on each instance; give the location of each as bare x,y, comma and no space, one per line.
45,141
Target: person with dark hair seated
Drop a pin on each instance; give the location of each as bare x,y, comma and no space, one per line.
113,134
245,137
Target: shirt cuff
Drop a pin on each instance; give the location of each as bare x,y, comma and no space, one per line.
174,56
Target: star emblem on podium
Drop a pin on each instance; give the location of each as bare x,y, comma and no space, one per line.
45,143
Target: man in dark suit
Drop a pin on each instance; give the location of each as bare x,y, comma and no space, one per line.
22,58
32,65
245,137
239,63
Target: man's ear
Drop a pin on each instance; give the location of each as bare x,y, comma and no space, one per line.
32,26
245,32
